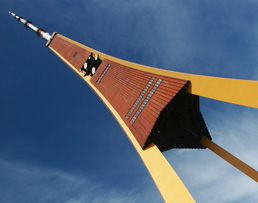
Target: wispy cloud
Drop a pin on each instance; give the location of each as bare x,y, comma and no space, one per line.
21,182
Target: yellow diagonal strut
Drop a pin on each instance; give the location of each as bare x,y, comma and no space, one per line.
240,165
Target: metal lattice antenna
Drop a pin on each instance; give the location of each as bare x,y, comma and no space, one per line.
40,32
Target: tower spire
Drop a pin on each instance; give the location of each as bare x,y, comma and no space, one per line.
40,32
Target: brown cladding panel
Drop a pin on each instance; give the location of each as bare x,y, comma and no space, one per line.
137,96
71,52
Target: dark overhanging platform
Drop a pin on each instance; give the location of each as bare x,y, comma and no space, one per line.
180,124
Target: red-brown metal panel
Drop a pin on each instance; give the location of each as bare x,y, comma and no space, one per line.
137,96
71,52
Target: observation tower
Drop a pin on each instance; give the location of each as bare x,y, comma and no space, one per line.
157,109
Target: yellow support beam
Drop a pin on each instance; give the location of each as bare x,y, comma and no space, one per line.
240,165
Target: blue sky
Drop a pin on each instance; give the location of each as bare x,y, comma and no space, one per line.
59,143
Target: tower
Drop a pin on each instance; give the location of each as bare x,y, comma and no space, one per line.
148,103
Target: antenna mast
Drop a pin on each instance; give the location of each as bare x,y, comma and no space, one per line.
39,31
